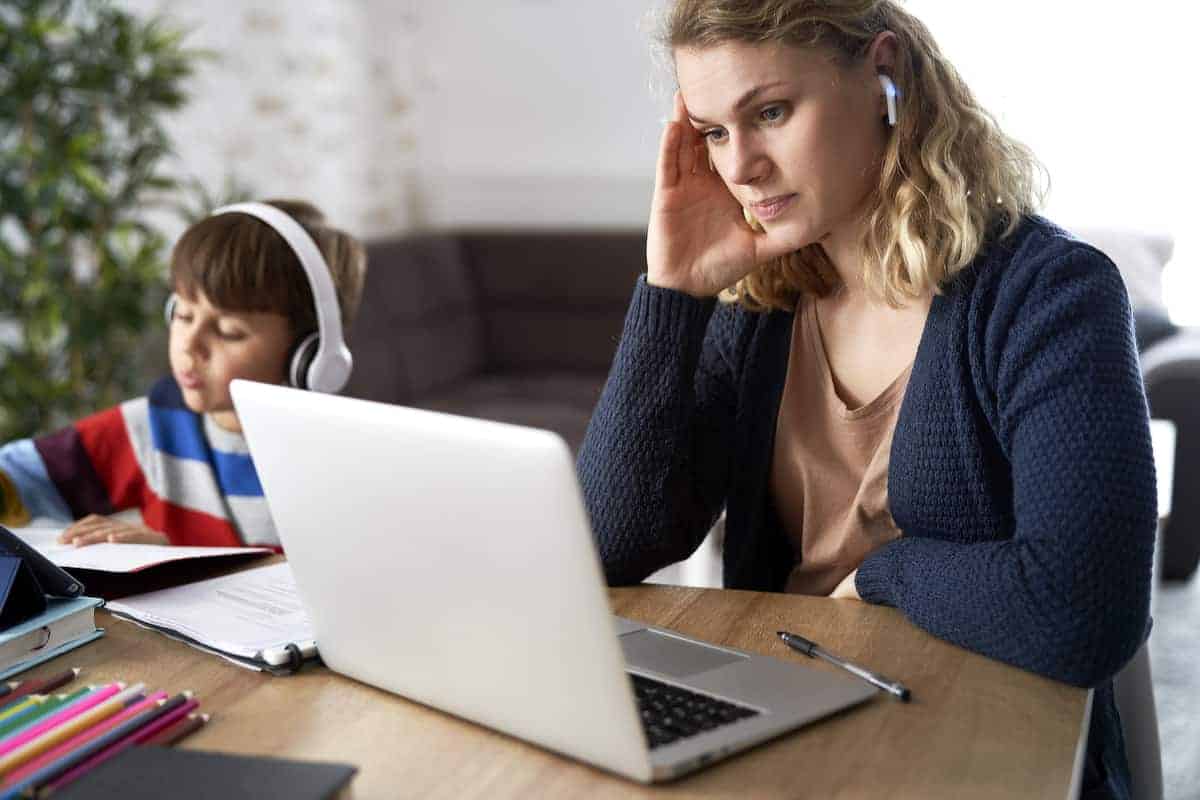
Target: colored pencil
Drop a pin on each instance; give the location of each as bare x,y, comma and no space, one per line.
22,707
163,723
83,738
119,746
5,688
100,743
19,722
71,727
59,680
179,730
72,709
22,713
35,686
14,695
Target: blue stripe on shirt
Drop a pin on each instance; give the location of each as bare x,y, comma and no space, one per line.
177,432
236,474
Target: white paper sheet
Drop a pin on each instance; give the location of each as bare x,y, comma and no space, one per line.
110,557
251,613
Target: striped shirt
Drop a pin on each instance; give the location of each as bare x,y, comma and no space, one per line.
191,480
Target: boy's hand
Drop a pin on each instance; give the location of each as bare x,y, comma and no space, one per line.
94,529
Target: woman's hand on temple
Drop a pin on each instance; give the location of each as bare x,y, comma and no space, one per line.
94,529
698,240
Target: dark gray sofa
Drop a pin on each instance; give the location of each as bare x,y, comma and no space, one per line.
511,326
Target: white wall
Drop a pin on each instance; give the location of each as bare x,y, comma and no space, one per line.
537,113
392,114
309,100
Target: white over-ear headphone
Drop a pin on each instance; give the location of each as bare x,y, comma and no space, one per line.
321,361
889,92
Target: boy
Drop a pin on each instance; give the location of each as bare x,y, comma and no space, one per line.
243,303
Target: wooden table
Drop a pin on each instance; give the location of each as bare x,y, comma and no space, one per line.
976,728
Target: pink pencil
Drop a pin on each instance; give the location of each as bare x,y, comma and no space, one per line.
116,748
60,716
82,738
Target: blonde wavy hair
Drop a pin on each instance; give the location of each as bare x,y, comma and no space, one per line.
950,180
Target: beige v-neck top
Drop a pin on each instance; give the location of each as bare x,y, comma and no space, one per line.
830,464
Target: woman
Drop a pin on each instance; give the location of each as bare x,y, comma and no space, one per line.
917,393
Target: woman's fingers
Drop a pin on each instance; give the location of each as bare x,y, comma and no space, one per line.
668,156
687,155
681,150
690,143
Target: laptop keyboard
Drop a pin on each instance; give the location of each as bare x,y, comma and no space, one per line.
669,713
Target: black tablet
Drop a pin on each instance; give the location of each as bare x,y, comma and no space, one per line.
54,580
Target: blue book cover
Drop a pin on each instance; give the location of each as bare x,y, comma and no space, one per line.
63,626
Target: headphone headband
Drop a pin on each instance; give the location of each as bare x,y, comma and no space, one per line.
330,366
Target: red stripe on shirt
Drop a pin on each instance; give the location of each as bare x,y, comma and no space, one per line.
187,526
106,440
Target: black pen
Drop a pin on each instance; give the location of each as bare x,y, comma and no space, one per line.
813,650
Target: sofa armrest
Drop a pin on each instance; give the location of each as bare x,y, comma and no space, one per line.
1171,370
1174,357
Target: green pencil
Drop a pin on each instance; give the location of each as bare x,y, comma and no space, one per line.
17,708
19,722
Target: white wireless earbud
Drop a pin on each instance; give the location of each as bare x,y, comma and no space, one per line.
889,92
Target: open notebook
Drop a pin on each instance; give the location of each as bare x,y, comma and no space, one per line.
253,618
115,570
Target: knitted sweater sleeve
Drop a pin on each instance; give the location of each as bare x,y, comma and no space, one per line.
26,489
1067,595
85,468
655,460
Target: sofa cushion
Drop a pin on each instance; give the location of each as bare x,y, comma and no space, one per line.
514,326
561,402
419,328
553,300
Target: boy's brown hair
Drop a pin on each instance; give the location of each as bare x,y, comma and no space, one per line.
242,264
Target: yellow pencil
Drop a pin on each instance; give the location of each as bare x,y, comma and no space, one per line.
32,700
68,729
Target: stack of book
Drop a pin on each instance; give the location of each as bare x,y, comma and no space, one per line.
43,612
66,624
50,740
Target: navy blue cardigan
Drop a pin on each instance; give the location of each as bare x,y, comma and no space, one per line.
1021,473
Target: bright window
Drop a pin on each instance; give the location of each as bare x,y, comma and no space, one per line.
1105,96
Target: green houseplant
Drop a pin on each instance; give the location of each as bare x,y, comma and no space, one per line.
83,90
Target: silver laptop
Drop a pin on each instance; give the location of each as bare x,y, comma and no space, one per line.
450,560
